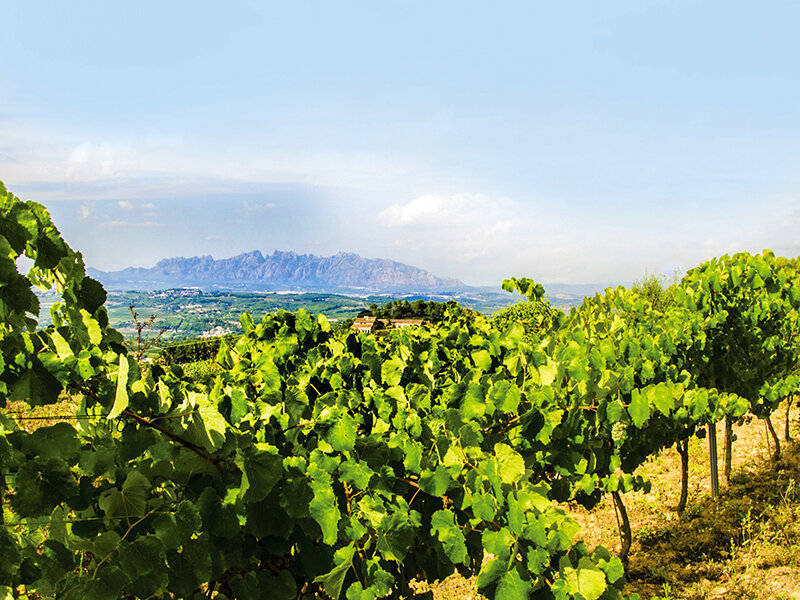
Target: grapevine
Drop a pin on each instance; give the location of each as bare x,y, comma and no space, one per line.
317,461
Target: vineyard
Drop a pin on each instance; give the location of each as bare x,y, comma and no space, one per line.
333,464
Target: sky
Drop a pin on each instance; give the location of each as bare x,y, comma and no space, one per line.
572,142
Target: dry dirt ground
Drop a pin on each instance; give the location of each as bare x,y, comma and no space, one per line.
744,545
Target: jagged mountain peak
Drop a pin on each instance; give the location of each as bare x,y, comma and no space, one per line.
288,268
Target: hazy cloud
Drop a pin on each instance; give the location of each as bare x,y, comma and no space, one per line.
93,162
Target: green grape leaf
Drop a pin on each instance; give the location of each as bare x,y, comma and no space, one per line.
342,435
91,295
484,506
356,472
510,464
166,529
512,587
62,347
392,371
49,251
16,293
661,398
373,509
59,440
41,485
356,591
324,511
105,543
639,408
395,535
380,580
246,321
281,586
220,520
473,406
548,372
143,556
206,426
36,387
99,589
614,411
100,460
586,580
239,406
263,586
270,375
85,368
188,519
121,397
482,360
419,396
490,572
443,526
538,560
261,470
303,323
515,515
131,501
435,482
92,327
505,396
498,543
59,554
613,568
190,568
333,580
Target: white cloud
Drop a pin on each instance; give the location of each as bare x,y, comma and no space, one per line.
429,209
125,204
83,212
466,229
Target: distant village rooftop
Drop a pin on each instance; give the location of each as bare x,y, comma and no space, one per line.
373,324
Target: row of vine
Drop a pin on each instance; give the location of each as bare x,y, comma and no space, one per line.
319,461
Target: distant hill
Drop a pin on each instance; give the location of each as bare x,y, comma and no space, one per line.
281,270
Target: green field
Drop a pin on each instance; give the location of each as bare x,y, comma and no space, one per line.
189,313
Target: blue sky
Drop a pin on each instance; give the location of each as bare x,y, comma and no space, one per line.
568,142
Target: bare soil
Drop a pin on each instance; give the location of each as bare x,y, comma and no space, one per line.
743,545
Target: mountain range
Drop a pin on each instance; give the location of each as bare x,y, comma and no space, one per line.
279,270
